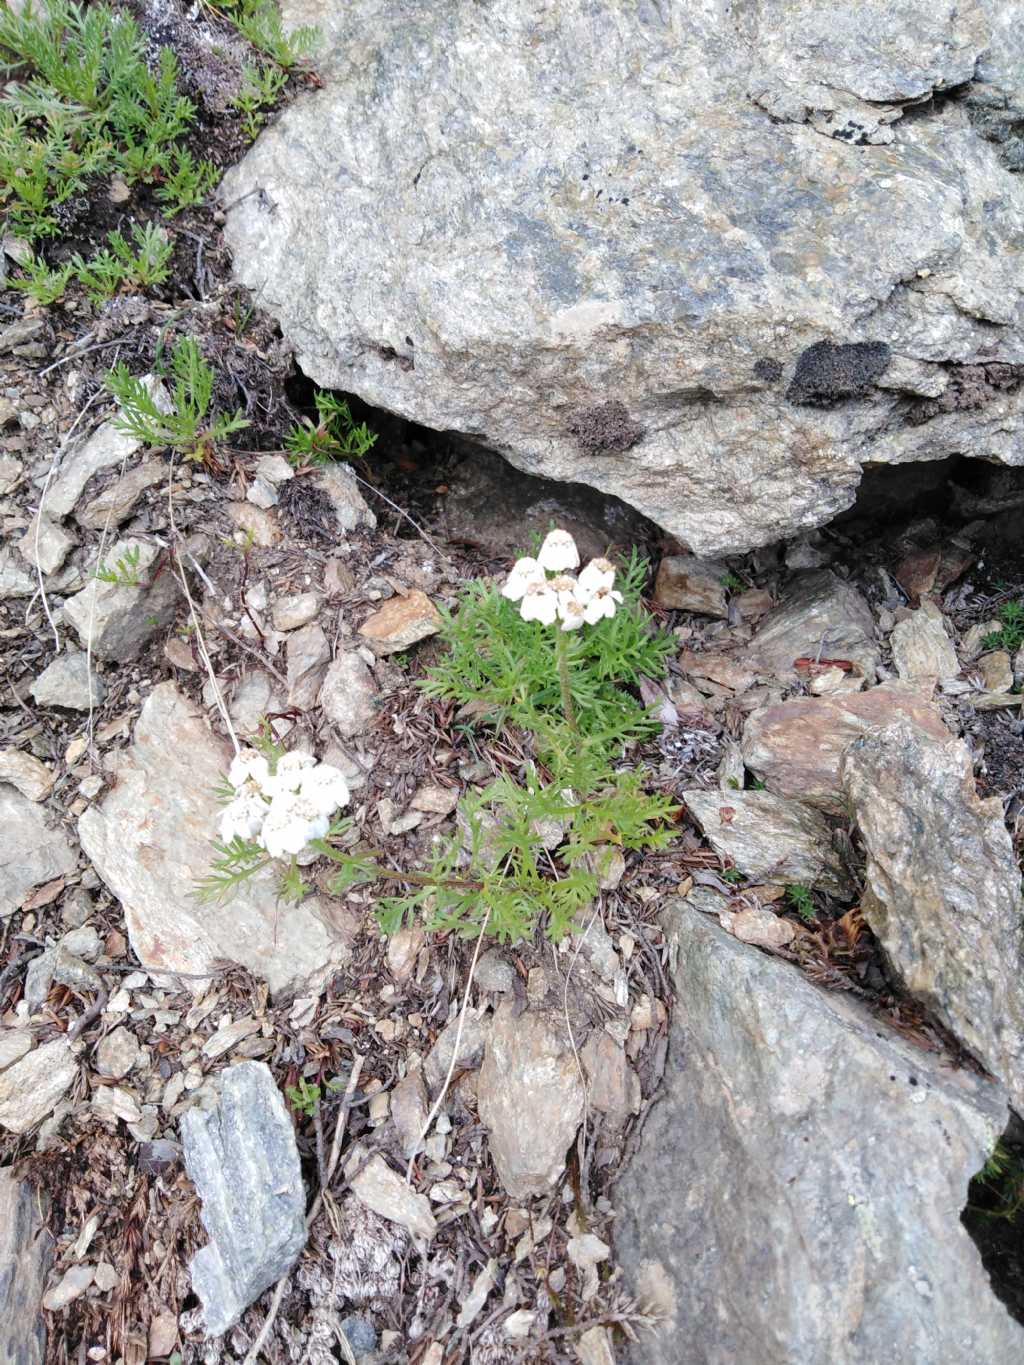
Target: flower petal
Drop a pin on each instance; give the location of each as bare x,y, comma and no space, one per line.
539,604
558,552
599,573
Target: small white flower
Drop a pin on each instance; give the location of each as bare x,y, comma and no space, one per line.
288,773
558,552
598,574
526,573
539,604
602,603
292,821
248,766
243,818
570,607
325,787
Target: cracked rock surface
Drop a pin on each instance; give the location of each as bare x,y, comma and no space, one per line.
797,1190
680,253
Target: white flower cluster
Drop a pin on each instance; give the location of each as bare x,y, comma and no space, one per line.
573,601
284,810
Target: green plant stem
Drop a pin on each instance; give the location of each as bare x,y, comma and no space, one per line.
562,659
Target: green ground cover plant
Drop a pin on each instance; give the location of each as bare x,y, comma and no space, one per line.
259,21
188,426
554,657
1010,635
80,102
335,435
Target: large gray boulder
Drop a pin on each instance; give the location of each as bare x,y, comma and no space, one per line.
711,258
797,1191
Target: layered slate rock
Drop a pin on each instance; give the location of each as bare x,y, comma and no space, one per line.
797,1189
796,746
26,1250
150,839
244,1163
696,256
943,889
769,838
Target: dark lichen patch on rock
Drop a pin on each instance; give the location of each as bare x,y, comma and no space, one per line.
768,369
970,387
604,428
827,373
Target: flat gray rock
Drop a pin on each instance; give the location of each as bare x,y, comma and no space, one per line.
244,1162
150,839
943,889
530,1099
769,838
820,617
120,617
797,1190
679,252
67,682
26,1250
33,848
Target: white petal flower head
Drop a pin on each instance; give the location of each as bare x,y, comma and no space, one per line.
558,552
292,821
248,766
526,573
599,573
539,604
570,607
601,604
325,787
288,774
243,818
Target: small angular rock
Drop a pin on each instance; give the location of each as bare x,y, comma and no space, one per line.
106,447
820,617
686,583
308,657
409,1109
921,649
117,501
613,1085
26,774
117,1053
32,1086
243,1159
348,695
401,622
381,1189
46,545
471,1041
768,837
339,483
530,1099
16,580
796,746
289,613
32,850
66,682
995,671
120,618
